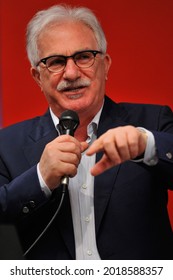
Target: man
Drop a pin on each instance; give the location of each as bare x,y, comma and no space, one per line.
116,203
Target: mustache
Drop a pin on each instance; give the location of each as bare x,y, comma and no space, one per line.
71,85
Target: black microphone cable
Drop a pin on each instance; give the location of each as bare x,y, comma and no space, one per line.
68,123
64,187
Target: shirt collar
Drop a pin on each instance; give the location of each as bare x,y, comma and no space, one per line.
91,128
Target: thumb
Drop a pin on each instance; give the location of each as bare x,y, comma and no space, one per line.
84,146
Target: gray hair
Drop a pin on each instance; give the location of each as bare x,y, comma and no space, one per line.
61,13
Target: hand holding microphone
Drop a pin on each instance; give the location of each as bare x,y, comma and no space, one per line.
68,123
62,156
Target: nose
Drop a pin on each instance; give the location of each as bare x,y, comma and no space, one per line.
71,71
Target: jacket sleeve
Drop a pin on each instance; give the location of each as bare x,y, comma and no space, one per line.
164,146
21,196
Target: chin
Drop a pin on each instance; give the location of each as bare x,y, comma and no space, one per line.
78,104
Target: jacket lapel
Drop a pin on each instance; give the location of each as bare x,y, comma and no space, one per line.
43,132
112,116
65,225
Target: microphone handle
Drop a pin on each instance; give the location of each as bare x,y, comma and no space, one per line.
68,132
65,181
65,178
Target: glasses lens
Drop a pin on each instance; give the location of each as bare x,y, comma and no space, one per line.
84,59
56,63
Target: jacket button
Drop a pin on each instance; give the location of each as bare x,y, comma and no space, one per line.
169,155
25,210
32,204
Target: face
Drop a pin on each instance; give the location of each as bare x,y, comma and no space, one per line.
67,39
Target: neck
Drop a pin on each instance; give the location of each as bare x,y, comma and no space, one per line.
81,132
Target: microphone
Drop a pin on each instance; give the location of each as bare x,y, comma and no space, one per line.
68,123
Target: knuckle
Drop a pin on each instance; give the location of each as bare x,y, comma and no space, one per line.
73,170
72,146
49,148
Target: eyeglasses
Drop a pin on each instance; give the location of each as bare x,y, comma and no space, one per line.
57,63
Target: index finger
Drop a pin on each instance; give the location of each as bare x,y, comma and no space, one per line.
95,147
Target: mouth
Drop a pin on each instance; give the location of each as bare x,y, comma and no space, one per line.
73,89
74,92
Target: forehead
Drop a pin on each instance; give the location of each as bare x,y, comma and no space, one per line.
66,38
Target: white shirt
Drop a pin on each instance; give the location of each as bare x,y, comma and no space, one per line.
81,193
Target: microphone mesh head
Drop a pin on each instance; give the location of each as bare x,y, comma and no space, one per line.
69,120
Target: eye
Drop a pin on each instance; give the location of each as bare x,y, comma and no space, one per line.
83,57
55,61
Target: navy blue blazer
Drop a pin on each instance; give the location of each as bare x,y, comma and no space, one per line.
131,219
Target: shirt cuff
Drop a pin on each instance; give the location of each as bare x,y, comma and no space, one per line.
43,185
150,156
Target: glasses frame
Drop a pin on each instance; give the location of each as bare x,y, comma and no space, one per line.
44,60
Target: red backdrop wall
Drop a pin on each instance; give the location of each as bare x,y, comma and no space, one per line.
140,42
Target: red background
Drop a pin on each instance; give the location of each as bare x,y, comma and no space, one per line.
140,42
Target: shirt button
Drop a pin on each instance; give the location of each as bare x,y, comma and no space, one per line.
84,186
152,162
89,252
169,155
87,219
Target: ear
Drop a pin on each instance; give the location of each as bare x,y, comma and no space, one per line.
36,76
107,62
